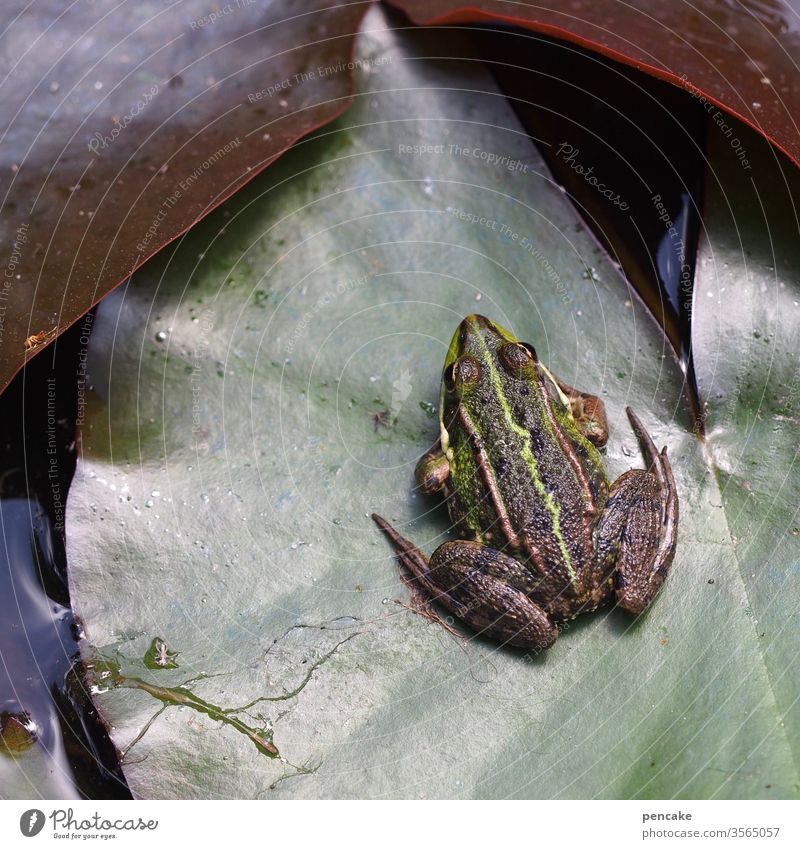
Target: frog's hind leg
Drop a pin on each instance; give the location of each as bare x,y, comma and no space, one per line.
480,585
589,413
638,529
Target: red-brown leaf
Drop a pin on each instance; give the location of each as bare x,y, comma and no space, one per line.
740,55
126,123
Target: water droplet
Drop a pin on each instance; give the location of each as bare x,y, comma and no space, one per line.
148,503
161,336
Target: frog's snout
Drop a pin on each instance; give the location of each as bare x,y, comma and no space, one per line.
476,323
472,326
476,335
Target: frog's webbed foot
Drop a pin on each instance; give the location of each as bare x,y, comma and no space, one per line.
422,605
480,585
415,562
639,526
589,413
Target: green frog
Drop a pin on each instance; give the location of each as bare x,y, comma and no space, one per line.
544,536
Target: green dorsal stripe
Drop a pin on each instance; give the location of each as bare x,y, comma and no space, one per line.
550,503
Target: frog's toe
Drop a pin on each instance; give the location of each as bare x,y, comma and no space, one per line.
638,532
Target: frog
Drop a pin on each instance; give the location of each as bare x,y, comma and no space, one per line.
543,535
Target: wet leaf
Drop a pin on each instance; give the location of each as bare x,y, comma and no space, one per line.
741,57
126,124
231,456
746,339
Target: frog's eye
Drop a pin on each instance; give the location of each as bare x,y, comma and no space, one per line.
463,374
517,357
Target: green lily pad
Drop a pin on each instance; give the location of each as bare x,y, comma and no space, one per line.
746,335
261,388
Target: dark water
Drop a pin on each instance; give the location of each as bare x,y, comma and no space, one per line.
629,149
42,696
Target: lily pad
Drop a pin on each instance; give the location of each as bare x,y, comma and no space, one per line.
263,386
741,57
124,126
746,339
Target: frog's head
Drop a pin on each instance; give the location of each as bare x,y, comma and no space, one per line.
482,352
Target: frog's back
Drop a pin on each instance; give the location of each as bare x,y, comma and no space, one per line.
524,479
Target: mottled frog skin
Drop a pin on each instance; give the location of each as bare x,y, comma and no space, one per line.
543,535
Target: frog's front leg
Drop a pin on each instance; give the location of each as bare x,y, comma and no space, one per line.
589,413
433,469
482,586
638,528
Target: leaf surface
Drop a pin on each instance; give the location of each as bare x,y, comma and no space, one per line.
232,455
739,56
126,123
